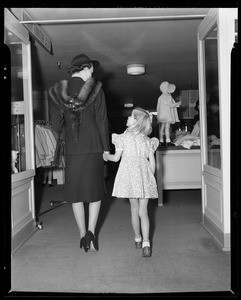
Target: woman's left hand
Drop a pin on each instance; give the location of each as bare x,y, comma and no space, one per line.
104,155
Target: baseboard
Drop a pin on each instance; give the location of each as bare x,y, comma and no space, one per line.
222,239
22,236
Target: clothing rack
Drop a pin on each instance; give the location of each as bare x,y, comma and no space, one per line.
43,122
44,143
54,204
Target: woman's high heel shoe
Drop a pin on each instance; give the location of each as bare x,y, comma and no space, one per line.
91,241
83,243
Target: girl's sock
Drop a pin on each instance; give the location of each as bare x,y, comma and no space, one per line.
138,238
145,243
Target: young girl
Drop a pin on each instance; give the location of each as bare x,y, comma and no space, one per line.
135,177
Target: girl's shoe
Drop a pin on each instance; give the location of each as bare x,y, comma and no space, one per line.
83,243
138,242
146,251
91,241
138,245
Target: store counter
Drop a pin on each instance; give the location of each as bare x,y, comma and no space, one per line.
177,168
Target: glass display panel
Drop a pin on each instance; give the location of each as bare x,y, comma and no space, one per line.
18,136
18,144
212,100
15,46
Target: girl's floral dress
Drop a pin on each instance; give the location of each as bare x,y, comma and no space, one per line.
134,178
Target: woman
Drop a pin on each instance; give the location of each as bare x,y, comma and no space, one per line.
78,107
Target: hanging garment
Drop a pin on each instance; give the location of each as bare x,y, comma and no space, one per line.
45,145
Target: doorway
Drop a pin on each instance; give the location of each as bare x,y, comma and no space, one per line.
216,35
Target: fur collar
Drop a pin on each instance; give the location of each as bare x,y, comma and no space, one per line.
60,95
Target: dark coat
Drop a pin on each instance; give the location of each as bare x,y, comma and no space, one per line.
86,129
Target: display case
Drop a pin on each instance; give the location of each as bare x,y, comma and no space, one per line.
177,168
23,223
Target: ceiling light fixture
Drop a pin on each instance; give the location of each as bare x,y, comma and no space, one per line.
136,69
128,105
128,102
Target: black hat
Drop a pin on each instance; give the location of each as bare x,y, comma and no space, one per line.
81,59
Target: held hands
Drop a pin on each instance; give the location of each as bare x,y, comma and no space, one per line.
105,155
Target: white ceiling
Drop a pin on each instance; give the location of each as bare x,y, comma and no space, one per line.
168,48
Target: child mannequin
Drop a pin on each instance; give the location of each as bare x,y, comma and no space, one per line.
166,111
48,177
135,177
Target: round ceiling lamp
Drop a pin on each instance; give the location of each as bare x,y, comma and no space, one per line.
129,105
136,69
128,102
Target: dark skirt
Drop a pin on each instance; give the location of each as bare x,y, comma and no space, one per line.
84,178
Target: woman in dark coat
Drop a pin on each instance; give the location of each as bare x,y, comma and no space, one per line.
78,107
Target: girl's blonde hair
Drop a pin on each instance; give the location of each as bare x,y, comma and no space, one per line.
143,121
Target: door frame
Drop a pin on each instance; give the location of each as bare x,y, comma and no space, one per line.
216,182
